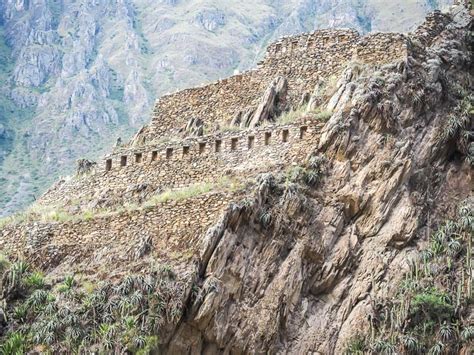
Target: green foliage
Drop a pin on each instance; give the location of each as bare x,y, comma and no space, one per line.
193,191
311,174
426,315
458,126
467,334
35,280
356,346
14,344
121,317
292,115
323,116
385,347
432,304
410,343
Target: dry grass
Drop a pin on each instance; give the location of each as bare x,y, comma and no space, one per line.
48,214
194,191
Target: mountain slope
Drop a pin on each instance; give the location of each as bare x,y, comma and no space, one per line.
77,75
342,225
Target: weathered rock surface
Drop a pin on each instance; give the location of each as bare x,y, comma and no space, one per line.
75,72
272,103
306,283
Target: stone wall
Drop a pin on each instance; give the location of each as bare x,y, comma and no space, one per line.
193,160
170,229
303,60
434,24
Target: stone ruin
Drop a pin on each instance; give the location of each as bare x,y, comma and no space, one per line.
174,150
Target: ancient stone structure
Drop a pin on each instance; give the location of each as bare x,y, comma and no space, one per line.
302,257
159,159
303,60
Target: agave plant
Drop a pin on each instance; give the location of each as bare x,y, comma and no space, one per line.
16,273
437,349
467,334
148,284
384,347
454,247
410,343
265,218
38,298
15,344
20,312
446,332
136,298
35,280
466,217
126,286
139,341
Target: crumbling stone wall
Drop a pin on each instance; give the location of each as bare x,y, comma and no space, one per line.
303,60
192,160
172,228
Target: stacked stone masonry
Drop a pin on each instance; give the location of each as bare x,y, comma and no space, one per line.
177,226
173,228
194,160
303,60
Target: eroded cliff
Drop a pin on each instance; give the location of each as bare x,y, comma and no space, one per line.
319,232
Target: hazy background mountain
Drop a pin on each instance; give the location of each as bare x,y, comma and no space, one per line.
77,74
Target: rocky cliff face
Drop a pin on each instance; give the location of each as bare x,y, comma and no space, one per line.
343,252
314,276
76,75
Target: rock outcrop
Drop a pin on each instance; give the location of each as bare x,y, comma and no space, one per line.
74,74
318,236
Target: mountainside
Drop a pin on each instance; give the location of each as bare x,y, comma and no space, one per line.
321,202
76,75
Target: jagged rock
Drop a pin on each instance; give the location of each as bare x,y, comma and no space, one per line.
85,166
316,98
304,99
345,88
272,103
237,120
194,128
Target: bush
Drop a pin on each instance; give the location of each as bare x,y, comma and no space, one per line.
356,346
431,305
15,344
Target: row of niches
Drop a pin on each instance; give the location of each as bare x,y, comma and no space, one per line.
211,145
316,39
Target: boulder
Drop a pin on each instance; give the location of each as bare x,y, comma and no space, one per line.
272,103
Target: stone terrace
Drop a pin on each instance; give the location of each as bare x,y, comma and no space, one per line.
192,160
171,230
176,227
303,60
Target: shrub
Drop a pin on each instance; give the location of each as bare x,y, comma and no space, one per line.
292,115
384,347
410,343
356,346
467,334
323,115
15,344
265,218
431,304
